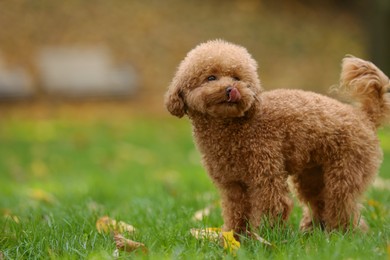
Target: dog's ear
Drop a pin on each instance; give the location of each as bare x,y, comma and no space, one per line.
174,100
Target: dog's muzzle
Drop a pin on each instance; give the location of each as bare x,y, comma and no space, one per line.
233,94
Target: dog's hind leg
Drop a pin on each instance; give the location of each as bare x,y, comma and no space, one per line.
345,181
309,185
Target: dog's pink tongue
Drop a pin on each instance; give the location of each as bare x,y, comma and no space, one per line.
234,95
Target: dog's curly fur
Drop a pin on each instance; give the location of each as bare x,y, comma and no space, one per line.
252,140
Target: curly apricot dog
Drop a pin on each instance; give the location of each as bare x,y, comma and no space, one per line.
252,140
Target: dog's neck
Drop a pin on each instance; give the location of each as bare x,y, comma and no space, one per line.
202,121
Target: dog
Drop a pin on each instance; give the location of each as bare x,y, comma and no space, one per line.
252,141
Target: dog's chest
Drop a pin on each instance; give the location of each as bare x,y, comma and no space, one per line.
227,137
231,150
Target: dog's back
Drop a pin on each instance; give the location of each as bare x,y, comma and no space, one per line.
317,129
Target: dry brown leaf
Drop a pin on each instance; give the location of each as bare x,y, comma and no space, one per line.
128,245
205,212
106,224
124,227
8,214
200,214
212,234
95,207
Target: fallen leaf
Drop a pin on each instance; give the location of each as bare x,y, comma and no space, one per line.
211,234
377,209
205,212
200,214
43,196
8,214
225,239
94,207
373,203
128,245
229,242
124,227
106,224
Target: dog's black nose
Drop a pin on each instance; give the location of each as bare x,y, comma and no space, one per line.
228,90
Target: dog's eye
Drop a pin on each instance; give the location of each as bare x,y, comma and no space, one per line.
236,78
211,78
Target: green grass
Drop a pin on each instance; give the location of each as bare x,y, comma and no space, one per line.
146,173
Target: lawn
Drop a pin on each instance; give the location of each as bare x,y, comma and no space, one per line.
59,177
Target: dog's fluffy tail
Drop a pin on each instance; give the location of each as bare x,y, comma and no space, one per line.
364,82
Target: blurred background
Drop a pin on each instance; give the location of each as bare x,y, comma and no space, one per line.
84,132
120,55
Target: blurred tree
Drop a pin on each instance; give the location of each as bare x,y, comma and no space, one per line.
377,20
374,16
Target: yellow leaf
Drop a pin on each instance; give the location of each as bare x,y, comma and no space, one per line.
128,245
229,242
373,203
41,195
225,239
106,224
8,214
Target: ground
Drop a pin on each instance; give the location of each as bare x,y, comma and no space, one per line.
59,176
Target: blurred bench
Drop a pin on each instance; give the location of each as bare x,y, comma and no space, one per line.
15,82
84,72
70,73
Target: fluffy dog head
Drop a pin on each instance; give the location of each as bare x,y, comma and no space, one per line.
216,78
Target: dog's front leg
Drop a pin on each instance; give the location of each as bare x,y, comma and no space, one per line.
269,200
235,206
